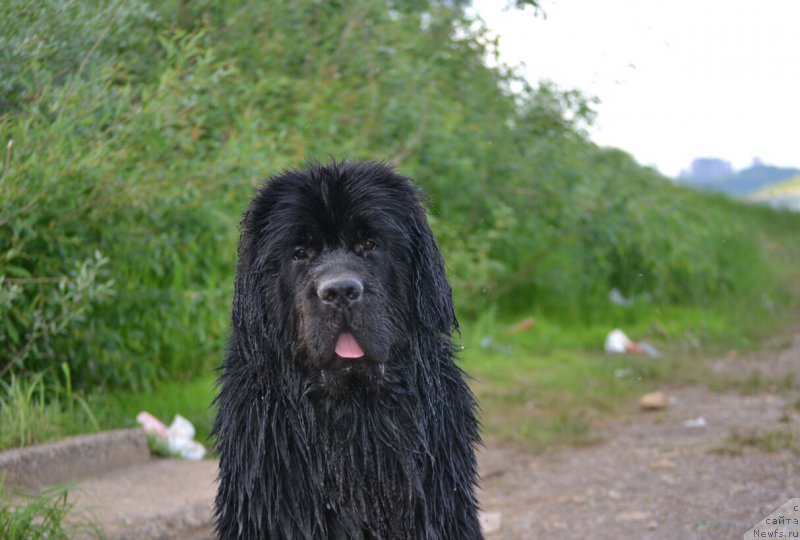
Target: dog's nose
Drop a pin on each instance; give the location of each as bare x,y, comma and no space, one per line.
341,292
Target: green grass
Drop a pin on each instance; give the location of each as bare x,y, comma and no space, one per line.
33,517
554,398
553,384
548,385
34,411
191,399
41,516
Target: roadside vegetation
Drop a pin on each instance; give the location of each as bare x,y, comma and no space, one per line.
34,409
134,133
43,516
33,517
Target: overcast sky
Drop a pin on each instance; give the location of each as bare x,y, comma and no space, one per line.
677,79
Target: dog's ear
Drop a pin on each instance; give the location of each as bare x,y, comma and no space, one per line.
250,335
432,293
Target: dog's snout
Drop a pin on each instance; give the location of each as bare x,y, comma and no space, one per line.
341,292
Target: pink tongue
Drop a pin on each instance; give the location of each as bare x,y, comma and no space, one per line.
346,347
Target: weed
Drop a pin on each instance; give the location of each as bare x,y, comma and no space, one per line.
41,516
34,411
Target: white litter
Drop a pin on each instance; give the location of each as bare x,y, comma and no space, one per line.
617,342
615,296
622,373
177,439
698,422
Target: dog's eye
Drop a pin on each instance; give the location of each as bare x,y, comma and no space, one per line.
369,245
299,254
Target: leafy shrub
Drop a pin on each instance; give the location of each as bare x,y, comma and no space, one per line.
44,42
139,131
90,173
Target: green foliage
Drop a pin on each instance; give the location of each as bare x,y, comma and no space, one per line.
138,131
33,517
45,316
41,516
541,387
190,399
34,411
44,42
551,384
91,172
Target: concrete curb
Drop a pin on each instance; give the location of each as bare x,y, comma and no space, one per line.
35,467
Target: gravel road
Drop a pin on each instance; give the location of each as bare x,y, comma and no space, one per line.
655,477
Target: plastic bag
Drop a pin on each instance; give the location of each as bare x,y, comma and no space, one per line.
177,439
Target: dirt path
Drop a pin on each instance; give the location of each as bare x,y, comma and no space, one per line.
651,477
654,477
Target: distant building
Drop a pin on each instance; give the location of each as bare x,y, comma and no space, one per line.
717,175
709,169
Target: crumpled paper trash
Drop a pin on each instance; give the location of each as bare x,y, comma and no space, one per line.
176,440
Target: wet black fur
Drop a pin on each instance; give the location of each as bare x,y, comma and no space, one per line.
309,450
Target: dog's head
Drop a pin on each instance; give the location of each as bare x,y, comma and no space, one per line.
339,270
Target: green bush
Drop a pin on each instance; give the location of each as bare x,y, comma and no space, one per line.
100,168
135,133
46,41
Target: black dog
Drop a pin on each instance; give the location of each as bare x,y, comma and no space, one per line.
341,412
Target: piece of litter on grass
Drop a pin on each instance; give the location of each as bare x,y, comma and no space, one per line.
151,424
698,422
649,349
525,324
615,296
177,439
653,401
619,343
622,373
488,342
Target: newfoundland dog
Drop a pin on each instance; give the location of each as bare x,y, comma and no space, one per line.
342,414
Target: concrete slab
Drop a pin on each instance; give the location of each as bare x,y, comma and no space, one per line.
158,499
68,460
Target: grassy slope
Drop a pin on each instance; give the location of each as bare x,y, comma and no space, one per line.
546,385
552,383
543,386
